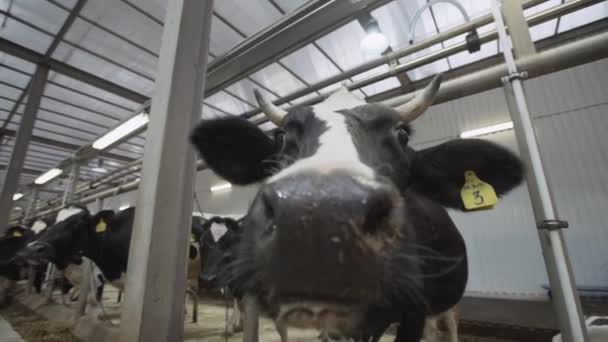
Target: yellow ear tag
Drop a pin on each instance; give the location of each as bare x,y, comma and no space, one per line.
476,194
101,226
17,233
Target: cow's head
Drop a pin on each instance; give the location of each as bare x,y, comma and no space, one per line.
63,242
216,244
335,222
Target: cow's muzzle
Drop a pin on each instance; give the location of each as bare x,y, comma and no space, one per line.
324,235
36,252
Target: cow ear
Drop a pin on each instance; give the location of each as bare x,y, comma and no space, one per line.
438,172
235,149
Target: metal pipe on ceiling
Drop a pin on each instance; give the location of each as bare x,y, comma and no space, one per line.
555,59
387,58
532,20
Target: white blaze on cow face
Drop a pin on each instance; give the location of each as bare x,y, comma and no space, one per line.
67,212
38,226
217,231
336,150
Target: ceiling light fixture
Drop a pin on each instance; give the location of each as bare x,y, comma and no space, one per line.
221,187
17,196
47,176
133,124
487,130
374,42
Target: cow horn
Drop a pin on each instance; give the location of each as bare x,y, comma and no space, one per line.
414,108
273,112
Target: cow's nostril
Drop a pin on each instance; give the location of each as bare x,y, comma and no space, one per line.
379,208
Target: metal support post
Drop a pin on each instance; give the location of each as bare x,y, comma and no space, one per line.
71,185
565,299
87,272
153,308
30,211
67,197
13,171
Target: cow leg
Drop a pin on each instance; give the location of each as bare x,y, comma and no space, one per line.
235,322
31,277
251,321
411,328
431,331
281,329
451,322
38,279
6,289
194,297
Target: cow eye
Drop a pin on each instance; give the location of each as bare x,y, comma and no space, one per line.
402,135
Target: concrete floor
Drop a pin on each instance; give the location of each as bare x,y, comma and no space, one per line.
212,321
210,326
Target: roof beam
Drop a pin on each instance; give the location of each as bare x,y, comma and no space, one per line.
24,171
292,32
32,56
68,146
56,40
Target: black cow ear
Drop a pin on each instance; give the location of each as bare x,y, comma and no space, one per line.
438,172
235,149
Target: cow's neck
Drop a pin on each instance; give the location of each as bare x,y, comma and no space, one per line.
97,249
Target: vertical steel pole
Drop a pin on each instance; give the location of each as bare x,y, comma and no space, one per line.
29,213
22,140
67,197
565,298
87,271
31,207
153,305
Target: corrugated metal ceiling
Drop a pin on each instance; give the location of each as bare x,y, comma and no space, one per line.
119,40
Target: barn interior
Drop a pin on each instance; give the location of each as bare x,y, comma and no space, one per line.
98,99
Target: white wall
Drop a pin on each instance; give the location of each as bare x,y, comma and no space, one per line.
571,121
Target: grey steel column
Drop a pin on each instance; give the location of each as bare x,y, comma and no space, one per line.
87,271
31,207
153,306
67,197
29,213
565,298
22,140
72,184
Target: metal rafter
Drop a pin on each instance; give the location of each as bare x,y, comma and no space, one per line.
32,56
79,47
68,146
52,47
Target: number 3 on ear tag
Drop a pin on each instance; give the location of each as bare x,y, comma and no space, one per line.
476,194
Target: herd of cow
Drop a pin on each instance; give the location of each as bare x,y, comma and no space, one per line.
348,233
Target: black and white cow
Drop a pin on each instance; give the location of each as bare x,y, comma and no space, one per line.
216,243
349,230
13,240
12,267
103,237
